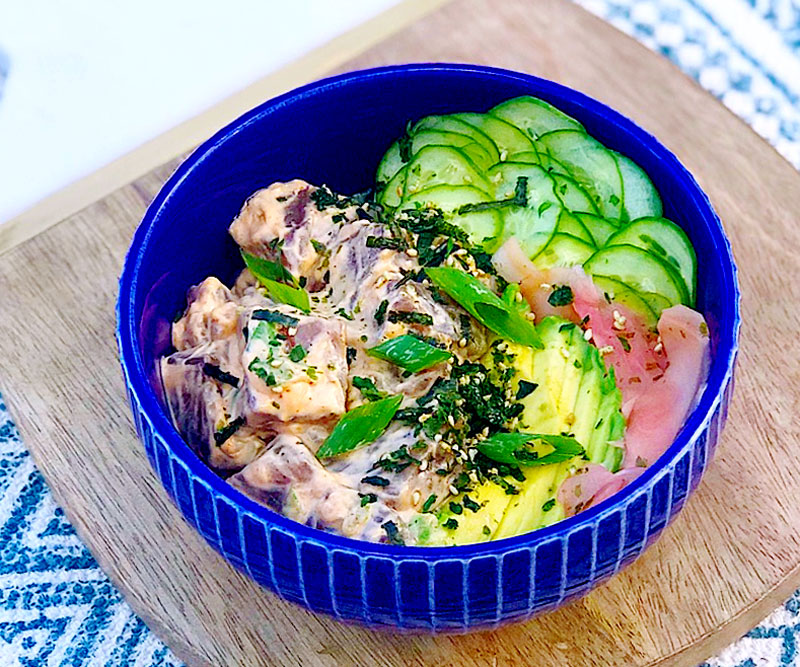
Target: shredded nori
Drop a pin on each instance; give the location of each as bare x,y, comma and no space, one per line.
561,296
351,353
221,436
410,317
525,388
375,480
275,316
218,374
392,533
380,312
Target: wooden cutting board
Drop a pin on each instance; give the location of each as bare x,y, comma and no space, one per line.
729,559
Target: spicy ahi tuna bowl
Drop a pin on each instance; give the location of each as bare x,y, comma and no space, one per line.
430,346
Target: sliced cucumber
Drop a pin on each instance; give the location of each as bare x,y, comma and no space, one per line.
528,157
667,241
639,269
473,150
508,138
392,193
451,124
533,116
479,225
442,165
656,302
640,195
570,224
390,164
572,195
599,227
590,163
563,250
531,225
628,297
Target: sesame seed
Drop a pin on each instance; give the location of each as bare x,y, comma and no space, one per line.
564,352
659,346
485,432
546,286
412,252
292,331
606,349
453,490
277,363
531,316
437,437
587,335
460,252
619,326
503,155
451,420
424,465
518,297
415,497
462,342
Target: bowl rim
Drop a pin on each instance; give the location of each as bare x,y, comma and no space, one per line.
720,371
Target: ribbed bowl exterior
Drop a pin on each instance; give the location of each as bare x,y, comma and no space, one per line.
438,592
437,588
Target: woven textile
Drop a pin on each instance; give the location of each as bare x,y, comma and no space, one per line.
56,605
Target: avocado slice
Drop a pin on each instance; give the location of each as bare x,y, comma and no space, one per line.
575,394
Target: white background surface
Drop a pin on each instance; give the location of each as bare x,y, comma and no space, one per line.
90,80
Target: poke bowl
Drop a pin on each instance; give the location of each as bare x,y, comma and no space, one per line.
337,132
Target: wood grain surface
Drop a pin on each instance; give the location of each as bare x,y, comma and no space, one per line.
732,555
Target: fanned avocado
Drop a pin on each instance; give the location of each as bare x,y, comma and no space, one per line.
575,394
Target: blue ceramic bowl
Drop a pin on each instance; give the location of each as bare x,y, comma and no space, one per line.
334,131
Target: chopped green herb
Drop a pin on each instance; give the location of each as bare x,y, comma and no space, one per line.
410,317
360,426
324,198
625,343
341,312
613,199
543,207
311,371
470,504
520,198
451,524
380,312
487,531
429,502
368,389
455,508
367,498
297,353
263,371
548,505
319,247
386,242
409,353
561,296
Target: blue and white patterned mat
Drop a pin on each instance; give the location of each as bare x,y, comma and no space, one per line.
56,605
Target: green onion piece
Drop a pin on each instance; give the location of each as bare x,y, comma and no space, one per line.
264,268
409,352
485,306
360,426
513,449
274,277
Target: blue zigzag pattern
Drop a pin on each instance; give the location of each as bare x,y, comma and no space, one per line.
58,608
